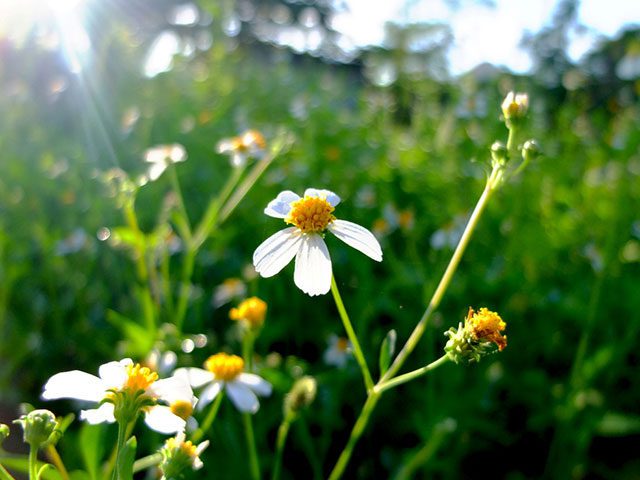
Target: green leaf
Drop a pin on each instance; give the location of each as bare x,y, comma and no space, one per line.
387,349
92,448
615,424
126,459
140,339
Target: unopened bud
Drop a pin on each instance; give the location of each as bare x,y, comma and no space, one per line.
301,395
4,432
530,150
179,456
38,427
499,153
515,106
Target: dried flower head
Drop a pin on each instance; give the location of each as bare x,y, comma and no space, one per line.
479,335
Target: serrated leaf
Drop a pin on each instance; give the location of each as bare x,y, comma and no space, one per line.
387,349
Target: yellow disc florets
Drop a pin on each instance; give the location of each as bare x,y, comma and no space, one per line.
181,408
310,214
252,311
224,367
486,326
187,448
139,378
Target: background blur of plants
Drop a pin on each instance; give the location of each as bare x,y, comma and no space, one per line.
406,147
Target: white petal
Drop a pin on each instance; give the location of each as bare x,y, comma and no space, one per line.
197,377
102,414
279,207
313,266
161,419
242,397
357,237
277,251
114,374
74,384
171,389
209,393
328,195
155,170
258,384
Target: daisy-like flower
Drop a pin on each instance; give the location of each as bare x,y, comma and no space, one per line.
223,371
161,157
125,385
251,313
250,144
338,352
178,455
311,216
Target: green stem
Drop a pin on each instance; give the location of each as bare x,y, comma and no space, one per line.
248,341
147,462
185,288
33,463
283,431
353,338
54,456
423,455
419,329
400,379
356,433
208,421
122,433
254,464
184,225
4,474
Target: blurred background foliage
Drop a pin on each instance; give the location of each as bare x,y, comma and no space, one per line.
406,147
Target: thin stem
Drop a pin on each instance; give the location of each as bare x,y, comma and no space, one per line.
358,428
54,456
185,288
122,433
419,329
33,463
400,379
254,464
208,421
353,338
283,431
4,474
184,225
147,462
248,341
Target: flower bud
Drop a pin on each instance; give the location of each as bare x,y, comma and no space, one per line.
515,106
38,426
4,432
300,396
179,455
530,150
478,337
499,153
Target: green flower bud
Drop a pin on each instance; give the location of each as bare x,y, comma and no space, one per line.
39,427
4,432
530,150
499,153
300,396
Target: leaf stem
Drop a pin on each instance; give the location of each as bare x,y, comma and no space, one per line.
283,431
254,464
400,379
208,421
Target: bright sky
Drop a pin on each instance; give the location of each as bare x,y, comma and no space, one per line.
486,34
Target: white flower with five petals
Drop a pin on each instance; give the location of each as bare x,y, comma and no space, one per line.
223,371
124,376
310,216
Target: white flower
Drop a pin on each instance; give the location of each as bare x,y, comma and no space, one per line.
124,376
250,144
226,371
178,454
161,157
311,217
338,352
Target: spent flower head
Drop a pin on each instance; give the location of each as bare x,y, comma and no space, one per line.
478,336
301,395
179,455
249,144
251,313
224,371
40,427
311,216
123,390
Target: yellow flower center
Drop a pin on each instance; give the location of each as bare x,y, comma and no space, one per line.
188,448
253,138
224,367
342,344
252,310
181,408
139,378
311,214
486,326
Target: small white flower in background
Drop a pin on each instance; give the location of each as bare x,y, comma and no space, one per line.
223,371
250,144
76,241
161,156
229,289
311,216
338,352
178,455
123,377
